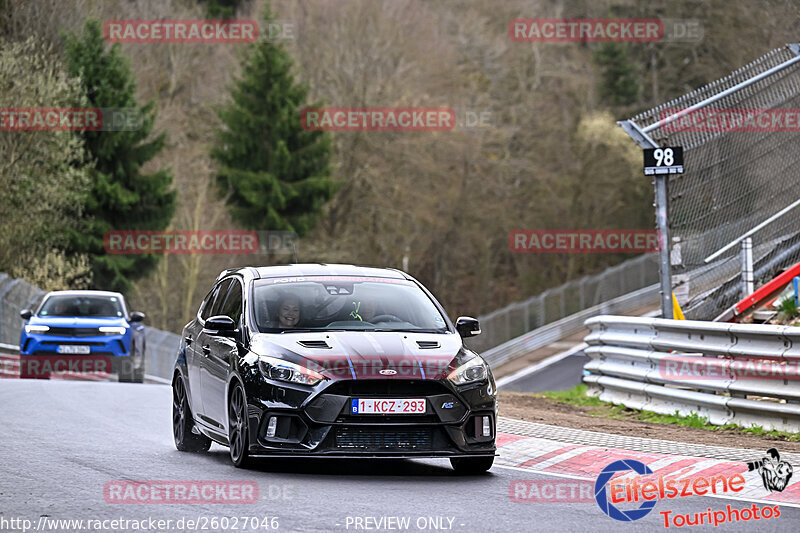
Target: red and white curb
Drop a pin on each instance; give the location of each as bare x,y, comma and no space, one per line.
585,462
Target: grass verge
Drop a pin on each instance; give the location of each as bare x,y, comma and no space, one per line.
577,396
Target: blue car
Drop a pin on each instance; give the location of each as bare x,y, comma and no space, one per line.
87,323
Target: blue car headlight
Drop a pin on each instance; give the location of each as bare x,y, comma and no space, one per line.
112,330
36,328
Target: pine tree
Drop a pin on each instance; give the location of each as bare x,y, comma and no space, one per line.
222,9
276,174
122,197
620,84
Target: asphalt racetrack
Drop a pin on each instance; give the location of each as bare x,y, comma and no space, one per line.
65,441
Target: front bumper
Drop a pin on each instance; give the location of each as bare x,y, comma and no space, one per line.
318,422
39,344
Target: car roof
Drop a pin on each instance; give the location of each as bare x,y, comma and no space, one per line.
84,293
316,269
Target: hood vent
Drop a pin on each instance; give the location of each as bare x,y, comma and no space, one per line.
322,345
427,345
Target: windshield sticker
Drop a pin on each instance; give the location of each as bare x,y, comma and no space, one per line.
318,279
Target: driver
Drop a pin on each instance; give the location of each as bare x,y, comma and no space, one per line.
60,307
364,310
367,310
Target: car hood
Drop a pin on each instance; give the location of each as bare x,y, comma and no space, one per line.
366,355
78,321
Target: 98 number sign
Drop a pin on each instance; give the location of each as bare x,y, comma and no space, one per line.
667,156
667,160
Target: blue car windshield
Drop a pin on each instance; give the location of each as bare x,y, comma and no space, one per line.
327,303
81,305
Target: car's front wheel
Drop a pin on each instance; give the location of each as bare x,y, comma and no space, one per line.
471,465
238,437
182,422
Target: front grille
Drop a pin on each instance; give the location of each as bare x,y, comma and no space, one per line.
73,332
72,343
387,388
41,352
384,438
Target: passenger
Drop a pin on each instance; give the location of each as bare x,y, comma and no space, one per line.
289,312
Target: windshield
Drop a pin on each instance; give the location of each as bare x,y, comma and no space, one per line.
326,303
81,305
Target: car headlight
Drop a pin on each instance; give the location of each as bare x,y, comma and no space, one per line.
471,371
112,330
36,328
281,370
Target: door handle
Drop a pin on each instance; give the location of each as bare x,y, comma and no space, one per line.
188,339
206,350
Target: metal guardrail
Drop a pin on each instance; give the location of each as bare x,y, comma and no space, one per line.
540,337
744,374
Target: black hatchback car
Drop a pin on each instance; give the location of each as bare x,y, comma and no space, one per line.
333,361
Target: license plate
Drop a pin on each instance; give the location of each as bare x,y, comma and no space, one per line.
381,406
70,348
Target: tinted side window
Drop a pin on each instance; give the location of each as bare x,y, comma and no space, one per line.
205,307
219,298
233,303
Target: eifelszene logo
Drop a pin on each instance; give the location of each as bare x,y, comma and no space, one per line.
601,495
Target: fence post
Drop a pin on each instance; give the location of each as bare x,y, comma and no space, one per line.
747,267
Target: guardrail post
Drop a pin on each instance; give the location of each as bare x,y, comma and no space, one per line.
747,267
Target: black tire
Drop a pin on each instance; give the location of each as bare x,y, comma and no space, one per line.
238,428
471,465
182,422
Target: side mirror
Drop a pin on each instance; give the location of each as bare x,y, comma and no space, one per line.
25,314
136,316
467,327
220,325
